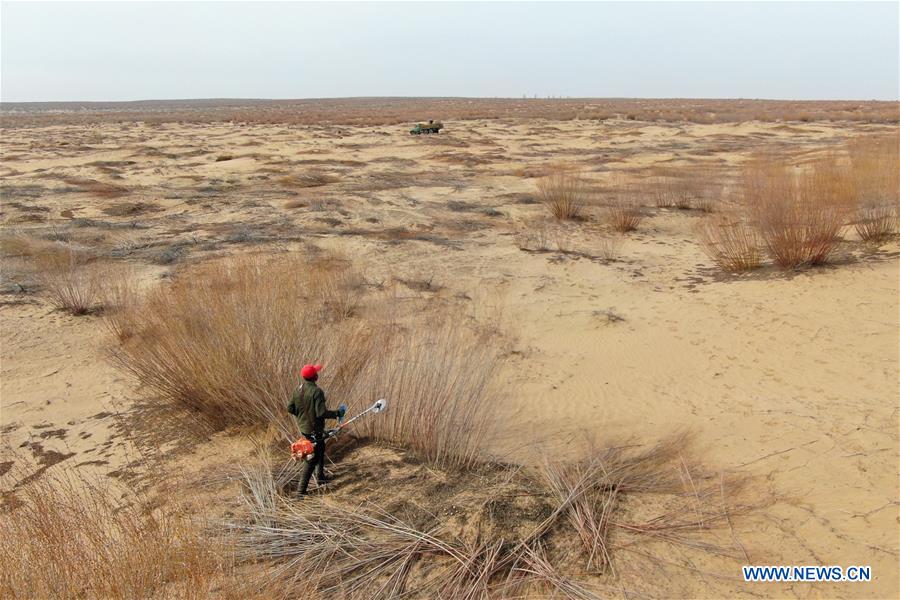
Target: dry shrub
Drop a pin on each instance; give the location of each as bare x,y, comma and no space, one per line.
71,283
17,245
536,236
308,180
799,213
609,248
337,286
564,192
876,221
128,209
685,189
437,378
706,203
71,280
226,340
72,538
875,177
26,246
690,510
580,543
296,203
731,242
624,215
540,236
671,191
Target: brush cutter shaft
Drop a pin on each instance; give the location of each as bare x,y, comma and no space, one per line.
374,409
377,407
302,449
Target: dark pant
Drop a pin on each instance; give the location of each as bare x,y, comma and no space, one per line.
317,463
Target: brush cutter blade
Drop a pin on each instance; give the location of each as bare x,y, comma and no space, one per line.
379,406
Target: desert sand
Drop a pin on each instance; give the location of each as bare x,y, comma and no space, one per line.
791,378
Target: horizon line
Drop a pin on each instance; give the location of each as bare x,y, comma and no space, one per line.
531,98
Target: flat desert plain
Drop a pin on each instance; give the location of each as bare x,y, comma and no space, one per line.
786,377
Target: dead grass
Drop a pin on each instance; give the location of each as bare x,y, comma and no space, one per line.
296,203
624,215
68,537
609,248
564,192
875,177
308,180
799,213
876,221
685,188
578,543
26,246
71,283
130,209
225,340
539,235
731,242
437,374
669,191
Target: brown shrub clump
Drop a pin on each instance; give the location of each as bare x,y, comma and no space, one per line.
876,221
26,246
672,191
624,215
686,188
437,376
799,213
609,247
71,283
296,203
731,242
875,176
72,538
539,235
128,209
308,180
66,273
226,340
564,192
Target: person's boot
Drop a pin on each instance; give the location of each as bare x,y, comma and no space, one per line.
304,480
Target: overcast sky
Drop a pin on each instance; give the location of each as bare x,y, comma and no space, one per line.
131,51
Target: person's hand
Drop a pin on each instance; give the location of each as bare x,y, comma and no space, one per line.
342,410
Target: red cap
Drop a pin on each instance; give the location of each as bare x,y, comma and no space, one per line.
310,371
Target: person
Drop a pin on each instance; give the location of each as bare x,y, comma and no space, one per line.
308,405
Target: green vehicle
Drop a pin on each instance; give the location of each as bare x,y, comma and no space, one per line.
429,127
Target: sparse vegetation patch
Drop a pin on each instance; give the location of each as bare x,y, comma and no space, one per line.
563,192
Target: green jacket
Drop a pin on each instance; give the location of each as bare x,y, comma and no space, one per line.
308,405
